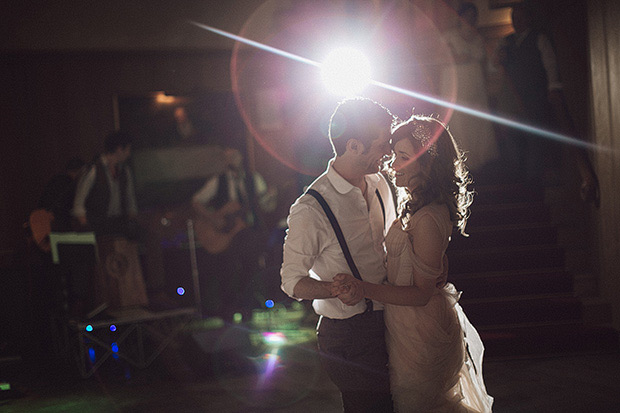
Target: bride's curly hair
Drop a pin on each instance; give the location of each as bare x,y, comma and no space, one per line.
447,176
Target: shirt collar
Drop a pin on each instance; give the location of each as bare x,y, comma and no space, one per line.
342,185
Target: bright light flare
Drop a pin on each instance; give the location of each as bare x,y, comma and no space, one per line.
275,339
346,72
347,67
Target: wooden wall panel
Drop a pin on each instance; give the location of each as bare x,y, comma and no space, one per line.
604,26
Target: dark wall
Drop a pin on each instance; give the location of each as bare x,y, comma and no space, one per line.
59,105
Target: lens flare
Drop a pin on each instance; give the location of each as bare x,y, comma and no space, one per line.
346,72
275,339
282,102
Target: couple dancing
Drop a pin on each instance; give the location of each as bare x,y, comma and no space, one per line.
402,314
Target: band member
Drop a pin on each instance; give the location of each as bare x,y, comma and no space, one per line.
105,200
229,228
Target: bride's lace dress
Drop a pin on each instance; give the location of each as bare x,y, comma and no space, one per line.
435,353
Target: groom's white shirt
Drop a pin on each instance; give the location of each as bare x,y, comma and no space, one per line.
311,247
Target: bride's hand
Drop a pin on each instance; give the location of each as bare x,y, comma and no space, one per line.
348,289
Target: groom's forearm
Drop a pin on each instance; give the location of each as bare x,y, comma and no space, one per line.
309,289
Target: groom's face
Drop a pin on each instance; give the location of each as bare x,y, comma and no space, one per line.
379,148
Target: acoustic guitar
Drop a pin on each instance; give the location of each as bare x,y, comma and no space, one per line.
217,232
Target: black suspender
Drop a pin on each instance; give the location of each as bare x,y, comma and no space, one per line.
340,236
338,230
381,203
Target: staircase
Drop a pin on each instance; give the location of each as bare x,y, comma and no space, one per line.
521,286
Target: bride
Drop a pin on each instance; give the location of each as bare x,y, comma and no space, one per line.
435,353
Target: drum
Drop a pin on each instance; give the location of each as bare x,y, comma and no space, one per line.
119,279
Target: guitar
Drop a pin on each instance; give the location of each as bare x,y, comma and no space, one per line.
217,232
214,231
40,224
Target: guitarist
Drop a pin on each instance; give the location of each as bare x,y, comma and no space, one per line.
228,227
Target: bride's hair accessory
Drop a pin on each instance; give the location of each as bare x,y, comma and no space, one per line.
422,133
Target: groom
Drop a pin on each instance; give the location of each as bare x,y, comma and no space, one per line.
351,338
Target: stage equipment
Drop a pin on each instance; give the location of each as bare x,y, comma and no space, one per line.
135,335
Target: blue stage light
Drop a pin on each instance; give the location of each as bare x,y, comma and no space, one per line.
89,328
180,290
112,327
269,303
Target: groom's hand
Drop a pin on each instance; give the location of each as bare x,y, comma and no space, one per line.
348,289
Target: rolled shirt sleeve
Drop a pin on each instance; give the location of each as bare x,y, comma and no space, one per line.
207,192
301,246
84,186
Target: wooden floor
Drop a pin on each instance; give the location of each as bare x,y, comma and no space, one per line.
291,380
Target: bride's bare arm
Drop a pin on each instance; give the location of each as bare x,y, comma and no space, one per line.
428,247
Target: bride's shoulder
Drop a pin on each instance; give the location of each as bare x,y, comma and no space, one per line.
433,212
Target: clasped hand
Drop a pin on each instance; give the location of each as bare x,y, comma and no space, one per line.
347,289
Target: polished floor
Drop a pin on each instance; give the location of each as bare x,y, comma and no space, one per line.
291,380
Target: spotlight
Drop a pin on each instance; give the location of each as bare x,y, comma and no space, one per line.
180,290
346,72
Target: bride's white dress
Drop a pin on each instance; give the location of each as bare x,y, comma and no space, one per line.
435,352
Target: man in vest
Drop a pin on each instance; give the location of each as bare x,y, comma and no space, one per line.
105,199
105,202
534,95
227,211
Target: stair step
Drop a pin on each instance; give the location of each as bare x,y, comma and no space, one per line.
547,340
506,259
514,283
510,213
516,273
597,310
506,235
527,309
